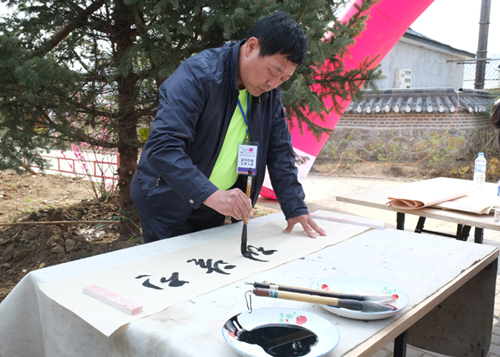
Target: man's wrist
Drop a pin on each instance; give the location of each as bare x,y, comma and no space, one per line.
212,199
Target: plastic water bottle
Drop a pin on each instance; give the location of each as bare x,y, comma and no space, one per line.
497,205
479,171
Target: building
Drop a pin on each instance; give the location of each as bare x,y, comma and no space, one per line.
421,111
417,61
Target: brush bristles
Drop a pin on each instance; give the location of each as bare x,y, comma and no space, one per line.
366,306
350,304
378,298
376,307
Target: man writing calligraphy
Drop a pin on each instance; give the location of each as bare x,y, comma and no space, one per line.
187,178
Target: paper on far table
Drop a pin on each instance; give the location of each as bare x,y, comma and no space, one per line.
477,201
426,193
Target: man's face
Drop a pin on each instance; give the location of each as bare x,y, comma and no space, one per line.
261,74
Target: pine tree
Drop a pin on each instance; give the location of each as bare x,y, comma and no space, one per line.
67,66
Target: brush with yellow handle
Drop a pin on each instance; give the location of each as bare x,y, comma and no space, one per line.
364,306
244,249
320,292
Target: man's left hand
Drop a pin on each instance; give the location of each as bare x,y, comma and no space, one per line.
309,225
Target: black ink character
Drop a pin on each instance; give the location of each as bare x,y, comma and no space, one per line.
262,250
254,251
173,281
211,268
147,284
141,276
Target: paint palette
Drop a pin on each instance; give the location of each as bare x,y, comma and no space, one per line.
363,286
280,332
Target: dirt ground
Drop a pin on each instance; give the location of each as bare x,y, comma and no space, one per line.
53,198
46,198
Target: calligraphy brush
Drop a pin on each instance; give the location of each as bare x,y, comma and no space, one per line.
363,306
319,292
244,250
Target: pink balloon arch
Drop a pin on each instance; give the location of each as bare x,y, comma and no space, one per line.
388,21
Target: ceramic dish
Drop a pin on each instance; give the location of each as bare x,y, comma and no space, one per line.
280,332
363,286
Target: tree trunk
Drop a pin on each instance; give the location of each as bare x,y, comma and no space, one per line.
128,143
130,220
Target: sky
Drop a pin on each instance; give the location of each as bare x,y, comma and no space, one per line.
456,23
452,22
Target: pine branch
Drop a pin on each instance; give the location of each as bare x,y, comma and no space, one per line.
66,30
94,142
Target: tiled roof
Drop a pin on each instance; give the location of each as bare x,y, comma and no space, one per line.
424,101
491,74
412,32
418,37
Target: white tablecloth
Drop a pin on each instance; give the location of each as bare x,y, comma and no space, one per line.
33,325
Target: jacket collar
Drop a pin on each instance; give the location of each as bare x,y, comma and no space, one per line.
235,53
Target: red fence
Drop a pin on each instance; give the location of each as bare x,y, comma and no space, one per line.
89,165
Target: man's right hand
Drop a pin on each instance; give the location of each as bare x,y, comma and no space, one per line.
232,203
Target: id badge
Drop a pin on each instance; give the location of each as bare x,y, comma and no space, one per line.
247,158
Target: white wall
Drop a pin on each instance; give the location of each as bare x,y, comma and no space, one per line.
429,67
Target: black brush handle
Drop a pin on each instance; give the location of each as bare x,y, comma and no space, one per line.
243,248
317,292
346,304
244,240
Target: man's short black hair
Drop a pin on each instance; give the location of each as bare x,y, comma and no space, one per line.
280,33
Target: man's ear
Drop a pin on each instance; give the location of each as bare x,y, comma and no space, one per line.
252,44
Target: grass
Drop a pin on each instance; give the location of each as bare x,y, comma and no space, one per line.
467,171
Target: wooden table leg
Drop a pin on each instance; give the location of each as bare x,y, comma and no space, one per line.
420,229
420,225
400,345
400,221
478,235
464,234
462,231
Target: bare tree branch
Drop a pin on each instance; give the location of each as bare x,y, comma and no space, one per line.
66,30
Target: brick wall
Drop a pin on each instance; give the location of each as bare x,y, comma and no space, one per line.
409,137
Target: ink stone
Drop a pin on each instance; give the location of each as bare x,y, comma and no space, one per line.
276,339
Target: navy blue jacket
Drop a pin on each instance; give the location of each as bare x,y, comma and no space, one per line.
196,105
